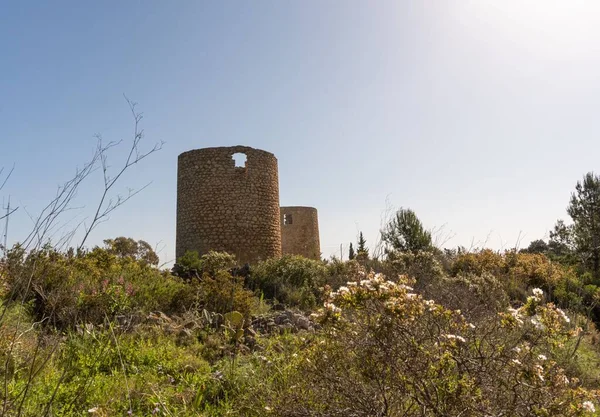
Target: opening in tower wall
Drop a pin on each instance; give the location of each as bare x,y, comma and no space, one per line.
287,219
240,159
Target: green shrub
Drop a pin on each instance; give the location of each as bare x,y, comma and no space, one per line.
340,272
223,293
292,280
91,287
192,265
424,267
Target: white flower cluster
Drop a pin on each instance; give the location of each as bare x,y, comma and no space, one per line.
374,284
539,371
535,320
523,348
516,313
455,337
367,283
332,307
430,304
538,293
563,315
370,282
589,406
343,290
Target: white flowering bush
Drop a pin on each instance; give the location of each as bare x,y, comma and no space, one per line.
387,351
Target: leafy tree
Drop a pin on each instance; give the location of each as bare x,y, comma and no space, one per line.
584,209
351,254
128,247
561,240
405,233
536,246
363,251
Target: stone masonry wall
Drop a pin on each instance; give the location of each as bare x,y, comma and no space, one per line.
222,207
301,237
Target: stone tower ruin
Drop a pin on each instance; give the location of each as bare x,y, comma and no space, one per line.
224,205
300,232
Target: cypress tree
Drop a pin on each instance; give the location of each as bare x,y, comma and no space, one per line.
351,253
362,245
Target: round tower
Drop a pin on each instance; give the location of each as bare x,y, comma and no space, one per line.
228,200
300,232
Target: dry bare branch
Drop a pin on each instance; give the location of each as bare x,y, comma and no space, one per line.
106,204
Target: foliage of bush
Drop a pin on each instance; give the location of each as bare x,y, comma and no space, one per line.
520,271
218,291
192,265
223,293
478,297
291,280
424,267
477,263
90,287
340,272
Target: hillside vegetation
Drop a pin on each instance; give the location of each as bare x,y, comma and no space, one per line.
423,333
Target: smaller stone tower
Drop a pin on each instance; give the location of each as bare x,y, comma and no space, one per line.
300,232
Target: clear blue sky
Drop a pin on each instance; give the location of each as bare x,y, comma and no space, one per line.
480,116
